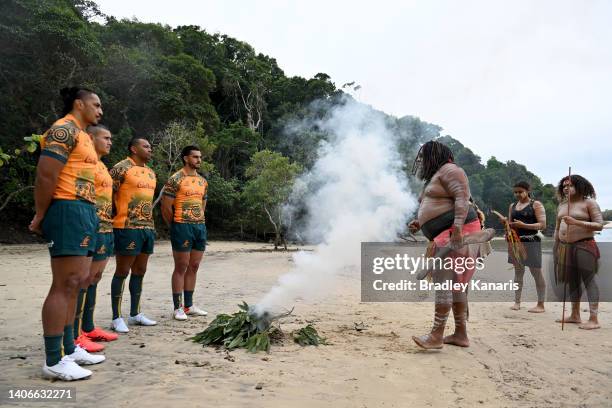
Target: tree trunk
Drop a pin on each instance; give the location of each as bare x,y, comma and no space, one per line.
161,192
275,225
13,194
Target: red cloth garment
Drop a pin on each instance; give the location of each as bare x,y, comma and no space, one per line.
468,251
588,245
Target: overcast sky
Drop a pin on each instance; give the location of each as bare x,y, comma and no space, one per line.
529,81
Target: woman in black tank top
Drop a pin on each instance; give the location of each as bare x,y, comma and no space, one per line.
527,217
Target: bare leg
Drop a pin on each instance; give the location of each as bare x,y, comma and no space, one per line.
459,338
195,258
95,272
435,339
124,264
575,293
540,288
574,317
519,273
139,267
60,305
181,263
588,270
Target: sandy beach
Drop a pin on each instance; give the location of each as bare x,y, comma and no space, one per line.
516,359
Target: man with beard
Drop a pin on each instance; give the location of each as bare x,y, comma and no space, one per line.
183,206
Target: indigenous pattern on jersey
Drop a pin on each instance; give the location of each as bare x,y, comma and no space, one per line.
67,142
104,197
133,191
188,193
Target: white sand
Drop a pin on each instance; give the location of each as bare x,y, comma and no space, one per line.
516,358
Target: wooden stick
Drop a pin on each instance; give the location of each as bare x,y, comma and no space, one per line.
569,196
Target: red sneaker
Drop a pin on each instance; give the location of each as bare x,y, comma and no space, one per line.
88,345
98,334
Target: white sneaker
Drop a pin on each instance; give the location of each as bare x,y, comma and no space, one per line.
66,370
80,356
195,311
141,320
119,325
179,314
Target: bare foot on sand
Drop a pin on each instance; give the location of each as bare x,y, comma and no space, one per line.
570,319
517,306
457,340
589,325
428,342
537,309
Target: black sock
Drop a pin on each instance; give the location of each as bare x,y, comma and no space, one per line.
53,349
88,310
188,298
117,294
78,316
135,291
176,299
68,340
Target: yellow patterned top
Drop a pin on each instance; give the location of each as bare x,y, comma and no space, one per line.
133,191
189,193
104,197
67,142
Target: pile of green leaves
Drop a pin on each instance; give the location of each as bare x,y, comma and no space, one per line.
242,329
308,336
246,329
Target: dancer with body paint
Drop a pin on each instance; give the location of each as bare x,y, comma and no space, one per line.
445,215
576,252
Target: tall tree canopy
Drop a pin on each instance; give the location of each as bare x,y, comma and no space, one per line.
182,84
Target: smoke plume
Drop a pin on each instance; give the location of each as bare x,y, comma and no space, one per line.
355,192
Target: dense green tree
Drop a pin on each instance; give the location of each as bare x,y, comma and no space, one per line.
235,146
271,177
180,85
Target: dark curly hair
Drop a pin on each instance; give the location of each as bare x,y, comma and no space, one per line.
431,156
583,187
524,185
